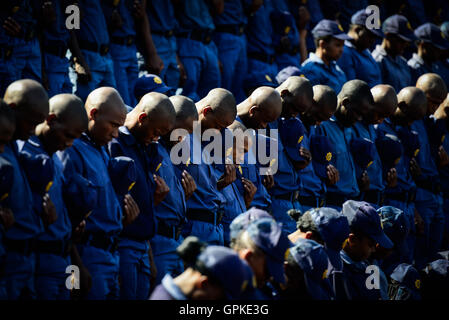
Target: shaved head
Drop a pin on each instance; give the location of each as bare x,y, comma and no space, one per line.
184,108
434,88
355,102
324,105
30,102
107,112
156,104
217,110
412,104
263,106
297,95
385,102
69,108
443,110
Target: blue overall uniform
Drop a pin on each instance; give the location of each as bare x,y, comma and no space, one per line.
359,65
123,48
428,200
53,246
395,71
402,196
98,246
55,42
230,40
20,259
347,187
134,239
161,16
376,184
196,49
318,72
93,40
205,206
170,214
260,43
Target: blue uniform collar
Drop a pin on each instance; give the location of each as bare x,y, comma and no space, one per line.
359,265
127,136
35,142
172,288
384,53
314,58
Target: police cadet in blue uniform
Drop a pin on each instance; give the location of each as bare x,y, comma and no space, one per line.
263,106
171,212
231,43
164,59
29,102
55,41
212,273
354,99
153,117
393,67
260,43
196,49
205,207
430,45
364,129
123,19
19,24
66,121
88,158
321,66
92,60
428,198
365,232
356,60
313,180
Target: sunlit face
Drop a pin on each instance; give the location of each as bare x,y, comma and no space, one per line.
333,49
106,124
62,134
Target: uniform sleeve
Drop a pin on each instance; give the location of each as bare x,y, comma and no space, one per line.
347,64
311,72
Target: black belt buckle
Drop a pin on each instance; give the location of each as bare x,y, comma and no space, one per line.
129,40
104,49
295,196
169,33
219,217
178,231
241,30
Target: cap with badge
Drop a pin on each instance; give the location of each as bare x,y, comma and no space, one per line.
292,133
334,230
400,26
360,18
322,153
241,222
287,72
150,83
363,218
225,266
410,141
327,27
268,236
312,259
405,283
431,33
123,174
396,226
6,181
390,151
363,152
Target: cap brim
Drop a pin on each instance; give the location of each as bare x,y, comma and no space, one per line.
441,46
383,240
276,270
409,37
342,36
377,32
163,89
334,258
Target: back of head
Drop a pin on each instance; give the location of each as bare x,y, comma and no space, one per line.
413,102
385,97
105,99
434,88
184,107
356,91
221,101
27,94
325,97
157,105
297,86
69,108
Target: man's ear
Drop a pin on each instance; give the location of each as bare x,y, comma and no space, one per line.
142,117
202,282
352,238
253,110
13,105
309,235
285,93
245,254
50,118
93,113
206,110
402,106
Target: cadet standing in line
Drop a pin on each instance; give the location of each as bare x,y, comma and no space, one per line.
89,159
29,102
66,122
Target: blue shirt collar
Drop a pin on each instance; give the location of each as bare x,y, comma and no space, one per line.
314,58
357,264
127,137
172,288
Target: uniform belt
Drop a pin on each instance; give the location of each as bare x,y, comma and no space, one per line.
124,41
101,241
289,196
205,216
373,196
237,29
261,57
429,185
102,49
25,247
167,34
172,232
56,48
58,247
28,33
311,201
292,50
335,199
6,52
405,196
202,35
